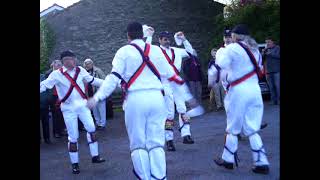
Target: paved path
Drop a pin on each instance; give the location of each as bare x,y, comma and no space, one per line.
194,162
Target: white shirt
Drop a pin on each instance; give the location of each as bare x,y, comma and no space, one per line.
236,62
126,61
56,78
179,53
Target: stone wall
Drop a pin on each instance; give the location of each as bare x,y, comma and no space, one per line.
96,28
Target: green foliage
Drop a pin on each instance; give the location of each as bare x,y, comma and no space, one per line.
263,19
47,41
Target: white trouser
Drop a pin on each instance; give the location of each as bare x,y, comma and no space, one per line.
145,115
99,113
244,108
172,98
70,116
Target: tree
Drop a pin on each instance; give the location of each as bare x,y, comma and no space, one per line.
46,44
262,18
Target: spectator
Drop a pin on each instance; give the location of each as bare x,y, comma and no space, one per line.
193,75
58,124
44,114
272,56
217,92
99,112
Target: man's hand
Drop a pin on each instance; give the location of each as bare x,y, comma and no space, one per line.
148,31
91,103
266,51
180,35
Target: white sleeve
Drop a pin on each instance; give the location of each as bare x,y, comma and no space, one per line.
184,52
111,81
149,40
224,59
48,83
97,82
212,76
188,47
90,79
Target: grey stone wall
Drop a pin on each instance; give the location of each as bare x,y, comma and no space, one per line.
96,28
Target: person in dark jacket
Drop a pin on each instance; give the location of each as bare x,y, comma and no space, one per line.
193,75
272,58
44,114
58,125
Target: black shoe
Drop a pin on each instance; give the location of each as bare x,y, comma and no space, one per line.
170,146
263,125
264,169
47,141
97,159
75,168
187,140
219,109
221,162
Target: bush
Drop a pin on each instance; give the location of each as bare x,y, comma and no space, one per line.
263,19
47,41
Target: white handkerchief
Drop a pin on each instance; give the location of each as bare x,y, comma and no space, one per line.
197,111
146,31
178,40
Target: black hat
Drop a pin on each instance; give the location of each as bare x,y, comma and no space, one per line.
227,32
241,29
164,34
67,53
134,27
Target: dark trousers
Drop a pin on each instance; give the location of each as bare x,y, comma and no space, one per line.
44,117
273,80
195,89
109,110
58,124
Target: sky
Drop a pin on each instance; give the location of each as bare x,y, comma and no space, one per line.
44,4
223,1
